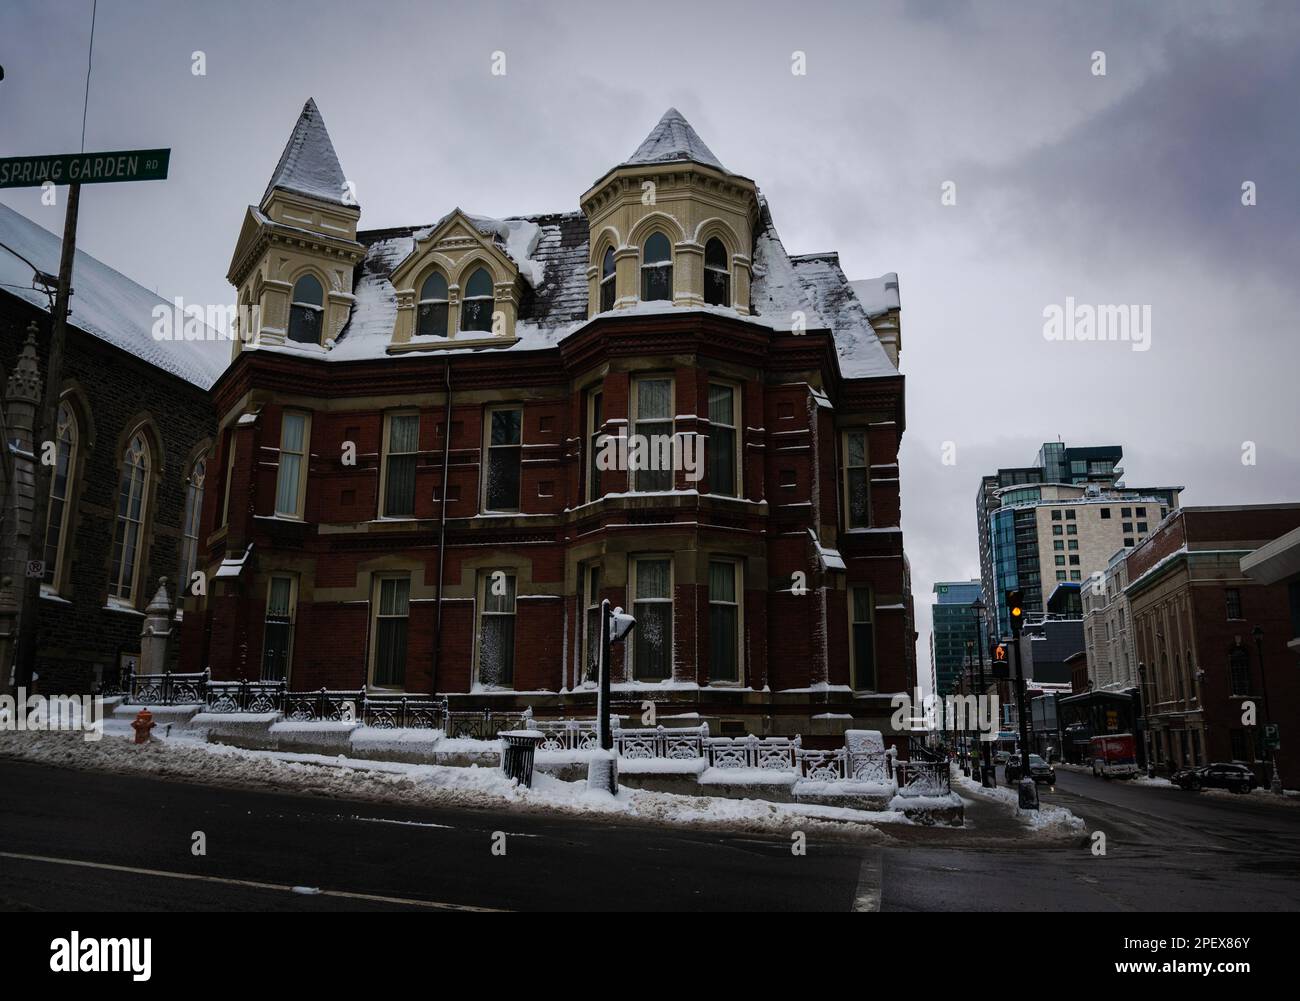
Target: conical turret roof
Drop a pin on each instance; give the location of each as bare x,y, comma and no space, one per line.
674,140
309,166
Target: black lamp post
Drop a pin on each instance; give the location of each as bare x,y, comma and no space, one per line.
1146,719
1275,784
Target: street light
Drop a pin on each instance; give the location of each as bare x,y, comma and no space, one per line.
1275,785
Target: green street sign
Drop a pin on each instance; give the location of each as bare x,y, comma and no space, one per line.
1272,737
84,168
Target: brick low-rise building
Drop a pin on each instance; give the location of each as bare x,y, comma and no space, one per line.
1194,615
422,482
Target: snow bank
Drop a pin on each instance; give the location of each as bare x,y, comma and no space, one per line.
1046,818
426,785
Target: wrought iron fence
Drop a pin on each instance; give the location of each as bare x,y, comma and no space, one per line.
244,697
485,724
167,689
764,753
570,734
324,706
396,712
922,778
677,744
824,766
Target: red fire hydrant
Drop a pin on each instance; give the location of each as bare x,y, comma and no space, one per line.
142,724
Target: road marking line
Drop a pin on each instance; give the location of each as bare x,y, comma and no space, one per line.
251,883
868,896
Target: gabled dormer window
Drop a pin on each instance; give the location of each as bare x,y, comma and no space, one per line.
307,310
717,275
607,281
431,316
476,305
656,269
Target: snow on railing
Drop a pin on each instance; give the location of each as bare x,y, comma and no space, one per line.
923,778
166,689
766,753
244,697
676,743
486,724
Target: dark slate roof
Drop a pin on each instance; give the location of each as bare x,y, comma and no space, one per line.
309,166
672,141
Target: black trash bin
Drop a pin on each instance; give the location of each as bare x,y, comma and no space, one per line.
517,752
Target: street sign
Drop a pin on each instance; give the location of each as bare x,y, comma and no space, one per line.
1272,737
36,568
84,168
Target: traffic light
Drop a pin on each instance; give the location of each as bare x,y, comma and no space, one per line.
998,655
1016,611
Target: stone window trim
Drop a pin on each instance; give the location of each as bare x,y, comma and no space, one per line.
141,429
737,565
491,607
847,479
378,578
386,456
70,420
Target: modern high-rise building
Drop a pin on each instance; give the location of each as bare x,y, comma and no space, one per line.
953,627
1059,520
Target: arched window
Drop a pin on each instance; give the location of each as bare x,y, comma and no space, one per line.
431,313
607,281
128,537
717,275
307,311
57,517
476,304
190,524
656,269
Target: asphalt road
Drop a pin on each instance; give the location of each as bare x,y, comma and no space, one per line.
79,841
1165,849
89,841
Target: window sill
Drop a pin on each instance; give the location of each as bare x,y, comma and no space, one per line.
49,594
113,606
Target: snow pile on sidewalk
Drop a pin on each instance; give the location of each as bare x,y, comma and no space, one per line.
1045,818
428,785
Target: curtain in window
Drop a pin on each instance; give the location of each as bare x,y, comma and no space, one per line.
390,631
722,440
292,437
653,608
503,461
654,418
497,638
403,443
723,622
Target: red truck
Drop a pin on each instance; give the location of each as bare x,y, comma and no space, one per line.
1114,755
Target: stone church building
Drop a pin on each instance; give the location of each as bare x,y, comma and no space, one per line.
440,446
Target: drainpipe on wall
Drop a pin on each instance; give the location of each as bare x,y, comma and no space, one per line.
442,527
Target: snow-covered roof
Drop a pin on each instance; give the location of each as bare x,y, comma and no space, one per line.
105,303
309,165
673,141
551,251
877,295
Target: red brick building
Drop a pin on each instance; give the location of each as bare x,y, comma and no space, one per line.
421,482
1195,613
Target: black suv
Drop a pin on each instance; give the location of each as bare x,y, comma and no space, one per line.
1220,775
1039,770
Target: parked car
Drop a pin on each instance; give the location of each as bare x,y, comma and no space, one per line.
1039,770
1000,757
1113,756
1229,775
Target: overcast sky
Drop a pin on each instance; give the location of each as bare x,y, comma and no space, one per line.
1117,189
